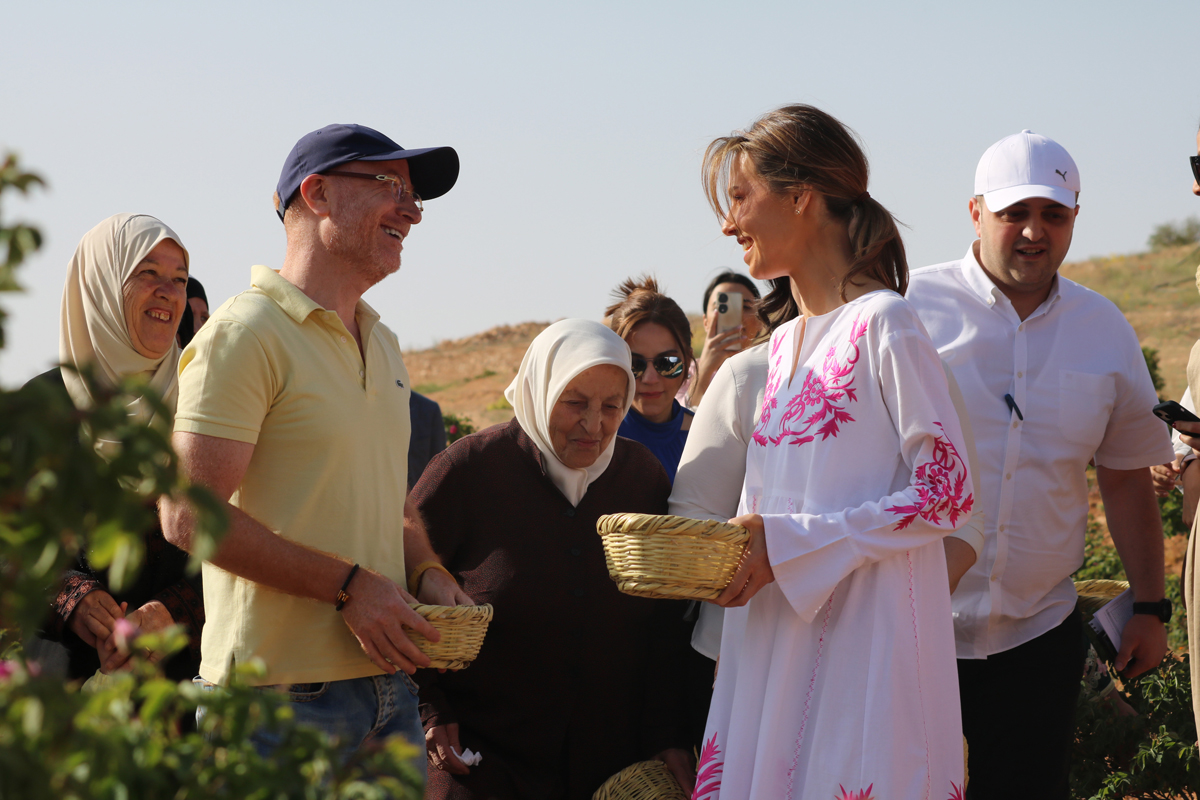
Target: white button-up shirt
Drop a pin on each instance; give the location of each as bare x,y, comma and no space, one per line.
1075,372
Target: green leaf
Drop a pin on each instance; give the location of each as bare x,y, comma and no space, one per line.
33,714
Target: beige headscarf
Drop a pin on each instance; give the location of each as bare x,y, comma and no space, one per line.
553,359
92,329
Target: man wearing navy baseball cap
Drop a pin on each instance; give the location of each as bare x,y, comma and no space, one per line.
294,411
1055,379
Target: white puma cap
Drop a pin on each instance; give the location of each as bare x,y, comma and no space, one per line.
1026,165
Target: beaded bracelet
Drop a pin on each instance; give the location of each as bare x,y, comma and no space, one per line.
343,596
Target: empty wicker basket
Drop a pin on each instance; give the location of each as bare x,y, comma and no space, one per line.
671,557
462,629
646,780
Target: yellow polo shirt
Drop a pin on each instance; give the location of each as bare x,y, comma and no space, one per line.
329,470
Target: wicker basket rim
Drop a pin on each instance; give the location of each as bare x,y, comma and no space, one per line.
1100,587
481,613
670,525
636,778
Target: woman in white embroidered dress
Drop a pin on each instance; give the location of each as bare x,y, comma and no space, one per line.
837,671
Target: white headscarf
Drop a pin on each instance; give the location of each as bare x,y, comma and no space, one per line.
93,328
553,359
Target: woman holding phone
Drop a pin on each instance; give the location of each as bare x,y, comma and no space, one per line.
837,668
722,339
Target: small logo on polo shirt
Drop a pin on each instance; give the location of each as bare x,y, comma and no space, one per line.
1063,174
400,383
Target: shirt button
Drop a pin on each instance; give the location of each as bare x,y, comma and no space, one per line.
570,512
1020,374
577,592
362,374
343,338
1015,424
1008,477
995,578
1021,327
575,551
1002,528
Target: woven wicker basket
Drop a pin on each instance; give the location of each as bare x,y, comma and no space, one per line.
646,780
462,629
1094,594
671,557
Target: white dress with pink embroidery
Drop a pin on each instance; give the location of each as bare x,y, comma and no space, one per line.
840,676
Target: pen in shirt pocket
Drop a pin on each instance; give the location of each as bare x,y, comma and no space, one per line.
1012,407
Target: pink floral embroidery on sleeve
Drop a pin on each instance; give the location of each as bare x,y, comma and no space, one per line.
708,771
823,393
956,792
940,484
862,794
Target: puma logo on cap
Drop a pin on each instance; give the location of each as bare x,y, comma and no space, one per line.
1063,174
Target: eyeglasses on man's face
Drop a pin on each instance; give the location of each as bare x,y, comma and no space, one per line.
1195,167
400,189
665,366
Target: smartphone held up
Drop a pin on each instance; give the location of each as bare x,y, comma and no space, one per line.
729,313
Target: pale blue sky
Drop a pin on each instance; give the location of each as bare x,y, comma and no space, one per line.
580,128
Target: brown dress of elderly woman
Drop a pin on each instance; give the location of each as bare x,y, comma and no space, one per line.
574,681
122,303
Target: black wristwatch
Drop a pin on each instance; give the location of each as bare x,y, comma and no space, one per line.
1161,609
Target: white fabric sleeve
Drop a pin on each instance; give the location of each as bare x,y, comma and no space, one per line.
708,481
972,531
1182,451
812,553
1134,438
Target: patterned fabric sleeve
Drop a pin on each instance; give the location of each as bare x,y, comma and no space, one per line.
812,553
439,496
76,585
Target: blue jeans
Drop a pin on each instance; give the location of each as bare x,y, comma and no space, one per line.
355,710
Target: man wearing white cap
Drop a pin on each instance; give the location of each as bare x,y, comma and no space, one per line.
1055,379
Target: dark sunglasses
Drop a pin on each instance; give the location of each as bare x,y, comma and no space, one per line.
1195,166
665,366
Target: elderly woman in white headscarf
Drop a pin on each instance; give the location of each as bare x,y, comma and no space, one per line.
574,680
122,303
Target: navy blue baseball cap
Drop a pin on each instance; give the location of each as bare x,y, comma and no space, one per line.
433,169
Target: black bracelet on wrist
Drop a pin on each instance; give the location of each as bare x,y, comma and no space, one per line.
343,596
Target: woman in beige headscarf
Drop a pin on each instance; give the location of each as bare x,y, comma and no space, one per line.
574,681
122,302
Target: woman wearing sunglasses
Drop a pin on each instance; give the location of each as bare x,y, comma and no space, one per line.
659,336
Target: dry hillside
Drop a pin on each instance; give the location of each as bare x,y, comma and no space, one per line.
468,376
1157,292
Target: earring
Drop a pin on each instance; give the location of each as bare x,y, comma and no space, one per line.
797,208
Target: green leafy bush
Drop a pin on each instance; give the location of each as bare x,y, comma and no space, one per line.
1151,356
1152,755
457,426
